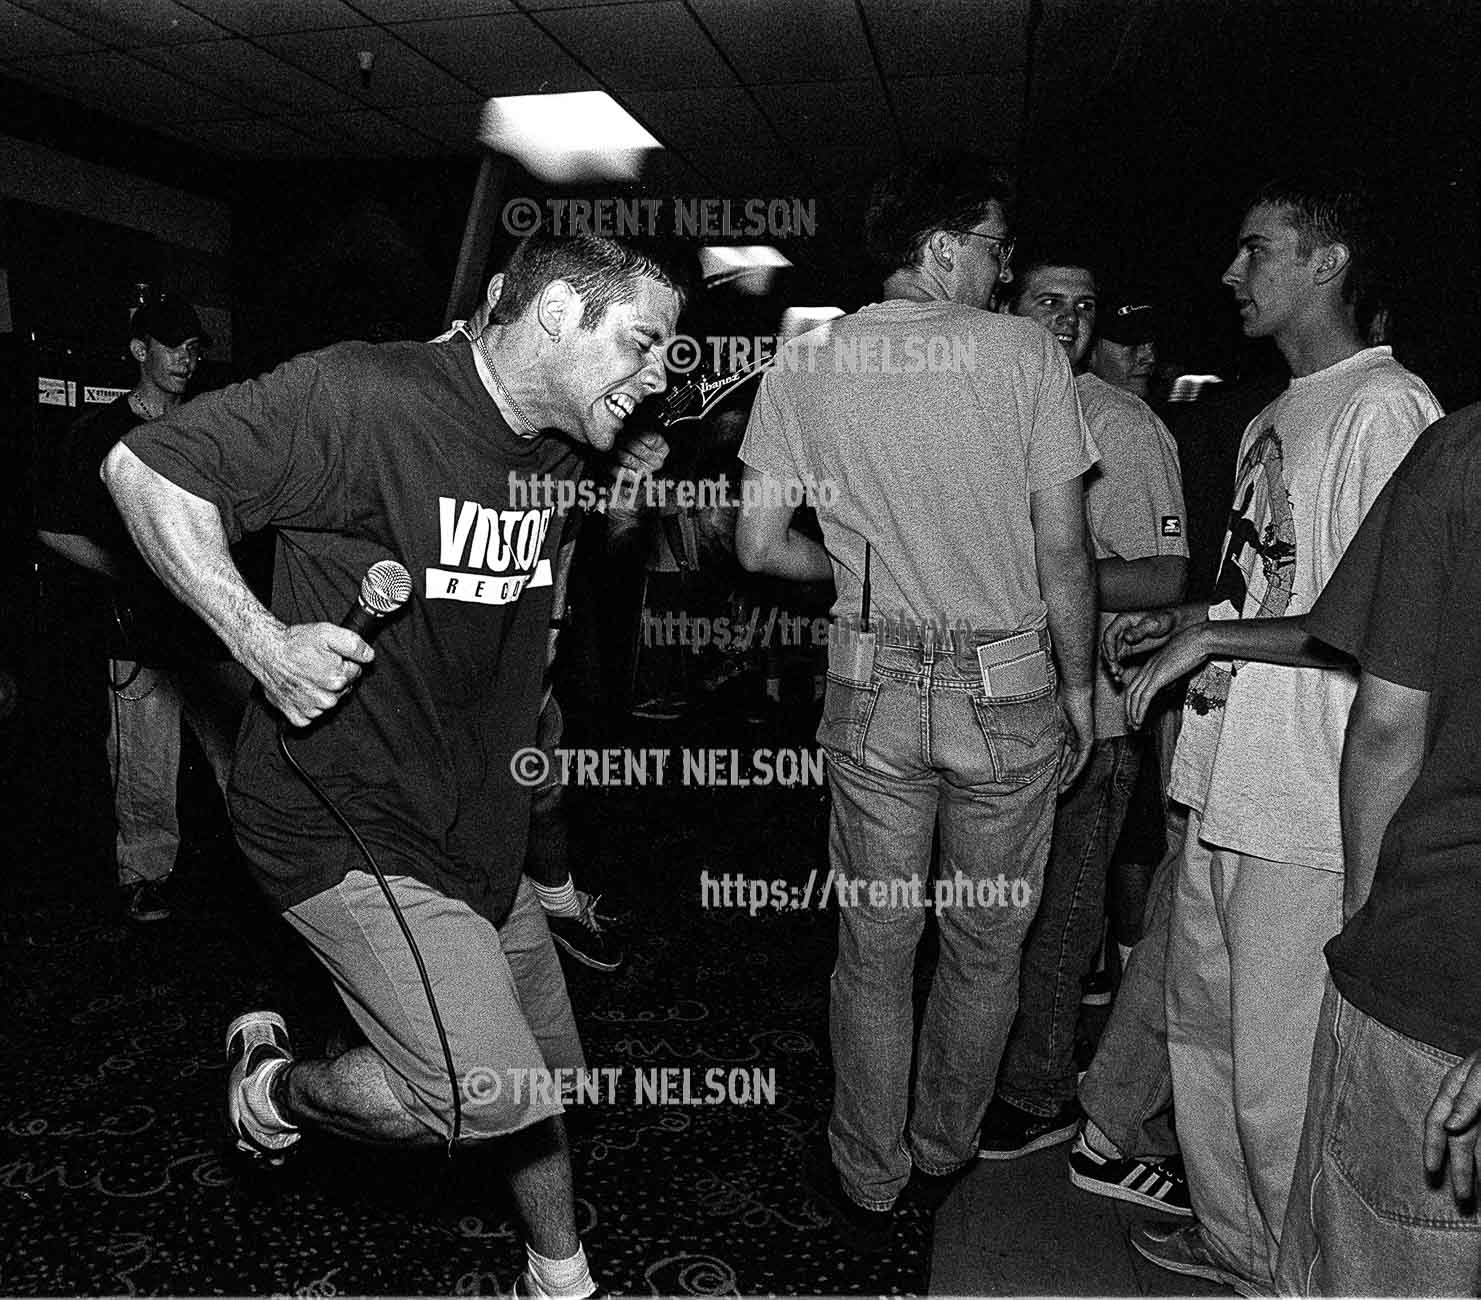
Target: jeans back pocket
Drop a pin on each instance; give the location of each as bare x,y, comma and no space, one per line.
1024,736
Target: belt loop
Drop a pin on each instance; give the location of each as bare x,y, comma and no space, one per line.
928,644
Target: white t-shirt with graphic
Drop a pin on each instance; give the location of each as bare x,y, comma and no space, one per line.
1261,743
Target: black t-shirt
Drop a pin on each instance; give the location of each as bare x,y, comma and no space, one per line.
136,617
356,454
1406,603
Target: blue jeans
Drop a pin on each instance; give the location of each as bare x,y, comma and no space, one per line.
1038,1069
1363,1219
915,748
1127,1091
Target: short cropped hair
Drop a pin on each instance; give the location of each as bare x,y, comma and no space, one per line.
1338,208
948,190
603,271
1036,259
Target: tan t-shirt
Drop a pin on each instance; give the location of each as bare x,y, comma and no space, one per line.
1133,504
924,428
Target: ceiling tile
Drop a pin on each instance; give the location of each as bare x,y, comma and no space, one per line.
762,173
720,117
640,46
938,37
130,22
257,137
400,75
816,117
573,4
367,132
406,11
984,111
240,71
25,35
506,54
258,17
120,84
455,125
778,40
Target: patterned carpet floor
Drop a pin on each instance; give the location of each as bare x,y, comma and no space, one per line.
114,1173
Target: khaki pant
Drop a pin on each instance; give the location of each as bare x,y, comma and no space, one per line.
1245,975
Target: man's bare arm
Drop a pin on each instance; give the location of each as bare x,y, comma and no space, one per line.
1068,586
1261,640
1380,759
766,542
304,669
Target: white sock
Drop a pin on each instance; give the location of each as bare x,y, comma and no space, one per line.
1125,950
1100,1143
568,1279
558,900
268,1125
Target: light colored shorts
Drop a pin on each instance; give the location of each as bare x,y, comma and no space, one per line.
500,992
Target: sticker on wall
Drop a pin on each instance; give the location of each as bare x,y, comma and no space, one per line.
52,392
94,394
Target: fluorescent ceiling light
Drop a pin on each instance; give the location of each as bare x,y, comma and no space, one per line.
749,267
582,136
798,320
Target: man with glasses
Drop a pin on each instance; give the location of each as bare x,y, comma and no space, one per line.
163,663
959,657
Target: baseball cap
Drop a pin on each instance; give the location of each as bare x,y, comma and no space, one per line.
1130,319
169,320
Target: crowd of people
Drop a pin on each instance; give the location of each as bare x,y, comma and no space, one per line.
1291,1072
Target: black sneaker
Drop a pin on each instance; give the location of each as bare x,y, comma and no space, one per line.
145,900
929,1191
252,1041
1096,989
1157,1184
1008,1132
866,1232
584,936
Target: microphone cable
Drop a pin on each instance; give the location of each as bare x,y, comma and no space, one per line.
411,943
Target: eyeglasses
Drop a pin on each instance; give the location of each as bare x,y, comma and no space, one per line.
1005,243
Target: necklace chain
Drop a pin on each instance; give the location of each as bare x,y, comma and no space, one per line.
143,407
530,427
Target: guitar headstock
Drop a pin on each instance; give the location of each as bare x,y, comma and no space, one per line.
701,392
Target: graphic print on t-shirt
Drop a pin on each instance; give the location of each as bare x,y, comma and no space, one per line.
487,556
1257,574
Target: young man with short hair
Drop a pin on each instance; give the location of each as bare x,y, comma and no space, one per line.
1134,518
410,451
1259,890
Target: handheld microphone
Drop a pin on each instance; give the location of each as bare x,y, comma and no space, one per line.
386,588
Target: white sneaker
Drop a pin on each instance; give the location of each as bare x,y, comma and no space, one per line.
252,1041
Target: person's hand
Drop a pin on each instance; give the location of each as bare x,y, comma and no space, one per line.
1183,654
1136,632
643,454
1451,1128
1078,711
309,668
635,460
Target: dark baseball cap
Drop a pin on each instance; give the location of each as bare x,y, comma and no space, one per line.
1130,319
169,320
